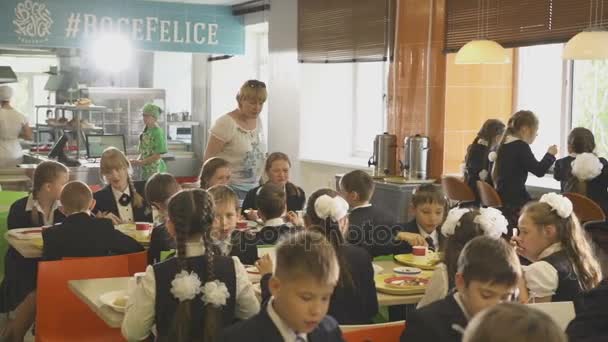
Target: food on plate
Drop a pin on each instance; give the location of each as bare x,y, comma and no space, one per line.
120,301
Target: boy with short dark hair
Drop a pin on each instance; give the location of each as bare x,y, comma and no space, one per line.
271,201
488,273
80,234
365,220
306,274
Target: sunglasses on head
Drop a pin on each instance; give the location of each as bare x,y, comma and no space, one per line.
255,84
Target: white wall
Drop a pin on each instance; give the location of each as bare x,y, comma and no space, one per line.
173,72
284,81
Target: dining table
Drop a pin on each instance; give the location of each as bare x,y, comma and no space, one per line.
31,245
90,290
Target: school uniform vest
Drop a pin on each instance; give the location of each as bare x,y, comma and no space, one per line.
166,303
568,287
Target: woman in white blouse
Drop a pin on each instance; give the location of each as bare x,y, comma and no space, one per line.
13,125
186,296
461,226
238,137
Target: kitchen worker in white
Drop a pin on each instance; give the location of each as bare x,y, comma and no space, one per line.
13,125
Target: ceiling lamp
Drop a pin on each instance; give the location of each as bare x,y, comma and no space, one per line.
591,43
482,51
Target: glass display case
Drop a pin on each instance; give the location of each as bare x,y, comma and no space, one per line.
123,114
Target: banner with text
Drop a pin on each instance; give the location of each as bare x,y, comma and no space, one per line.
150,25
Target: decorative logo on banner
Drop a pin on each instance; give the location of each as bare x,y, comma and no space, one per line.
149,25
32,22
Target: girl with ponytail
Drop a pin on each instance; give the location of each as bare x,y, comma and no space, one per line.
582,171
514,160
355,300
481,155
121,199
193,296
39,208
563,264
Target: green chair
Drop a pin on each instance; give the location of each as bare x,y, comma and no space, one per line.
7,198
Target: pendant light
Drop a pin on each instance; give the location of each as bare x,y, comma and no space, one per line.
482,51
592,43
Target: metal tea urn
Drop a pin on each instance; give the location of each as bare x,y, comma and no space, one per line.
415,161
384,159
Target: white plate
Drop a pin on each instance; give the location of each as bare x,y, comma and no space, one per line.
377,269
108,299
407,270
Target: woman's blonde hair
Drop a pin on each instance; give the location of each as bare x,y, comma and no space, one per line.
252,90
508,322
572,238
113,159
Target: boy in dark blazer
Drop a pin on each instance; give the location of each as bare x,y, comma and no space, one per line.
367,223
488,272
306,274
272,205
81,235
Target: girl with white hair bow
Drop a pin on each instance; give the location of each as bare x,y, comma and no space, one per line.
13,125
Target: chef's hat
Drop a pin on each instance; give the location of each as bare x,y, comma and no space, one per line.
6,93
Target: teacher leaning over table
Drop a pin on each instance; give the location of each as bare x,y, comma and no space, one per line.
238,137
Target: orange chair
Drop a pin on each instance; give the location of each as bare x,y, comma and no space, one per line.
137,262
60,315
457,190
375,332
488,195
585,208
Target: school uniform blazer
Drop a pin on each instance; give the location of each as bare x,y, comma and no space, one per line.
105,201
369,228
81,235
294,202
160,240
476,162
402,247
597,188
270,235
349,306
434,322
244,247
260,328
19,218
589,325
19,272
515,161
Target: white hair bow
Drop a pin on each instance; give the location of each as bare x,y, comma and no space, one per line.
332,207
559,203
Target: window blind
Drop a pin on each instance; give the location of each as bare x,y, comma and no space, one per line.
333,31
514,23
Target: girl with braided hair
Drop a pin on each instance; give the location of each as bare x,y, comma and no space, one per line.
192,296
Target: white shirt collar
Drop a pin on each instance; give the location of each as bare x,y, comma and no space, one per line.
556,247
286,332
117,193
275,222
483,142
362,206
31,203
461,305
511,139
424,234
194,249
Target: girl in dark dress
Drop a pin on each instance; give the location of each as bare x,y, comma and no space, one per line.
479,159
514,160
582,171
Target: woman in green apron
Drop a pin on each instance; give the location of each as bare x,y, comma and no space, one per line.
152,143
